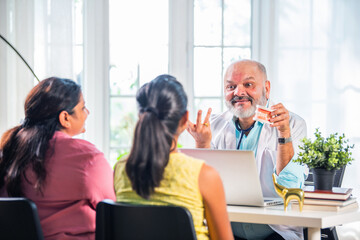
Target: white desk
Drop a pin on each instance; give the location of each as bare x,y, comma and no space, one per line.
313,220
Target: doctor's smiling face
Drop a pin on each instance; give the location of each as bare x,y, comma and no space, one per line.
245,86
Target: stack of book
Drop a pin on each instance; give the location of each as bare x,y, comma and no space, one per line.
338,199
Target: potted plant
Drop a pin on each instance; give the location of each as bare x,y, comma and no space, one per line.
325,156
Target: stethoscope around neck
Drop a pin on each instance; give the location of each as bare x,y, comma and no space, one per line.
242,132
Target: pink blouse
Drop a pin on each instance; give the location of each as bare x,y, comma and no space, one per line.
78,177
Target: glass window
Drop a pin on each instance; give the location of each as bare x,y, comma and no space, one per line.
207,71
207,22
139,49
222,34
237,23
138,53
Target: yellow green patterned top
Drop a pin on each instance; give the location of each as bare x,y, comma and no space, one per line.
180,186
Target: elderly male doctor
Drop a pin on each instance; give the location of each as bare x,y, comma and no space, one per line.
274,145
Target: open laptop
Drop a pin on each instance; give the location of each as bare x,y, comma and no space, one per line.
239,174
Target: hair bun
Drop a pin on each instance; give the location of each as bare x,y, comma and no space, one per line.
152,110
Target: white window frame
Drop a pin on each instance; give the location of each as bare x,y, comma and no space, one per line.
96,60
181,42
96,72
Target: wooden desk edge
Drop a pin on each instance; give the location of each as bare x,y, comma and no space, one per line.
313,219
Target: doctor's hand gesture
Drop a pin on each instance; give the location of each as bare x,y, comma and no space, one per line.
201,132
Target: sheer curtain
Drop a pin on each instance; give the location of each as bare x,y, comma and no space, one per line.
313,57
54,38
17,26
64,38
43,34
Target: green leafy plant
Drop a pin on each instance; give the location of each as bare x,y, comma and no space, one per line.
330,153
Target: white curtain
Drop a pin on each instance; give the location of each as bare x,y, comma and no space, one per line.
63,38
42,32
54,38
316,67
312,51
17,26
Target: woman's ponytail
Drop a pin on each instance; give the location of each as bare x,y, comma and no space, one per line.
162,103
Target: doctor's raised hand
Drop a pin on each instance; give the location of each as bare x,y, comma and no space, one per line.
201,132
280,119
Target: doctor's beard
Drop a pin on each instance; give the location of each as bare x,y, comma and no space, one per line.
239,111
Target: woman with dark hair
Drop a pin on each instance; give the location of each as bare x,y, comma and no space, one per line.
40,160
156,173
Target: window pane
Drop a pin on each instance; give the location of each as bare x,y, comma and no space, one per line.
205,103
124,80
207,72
123,117
207,22
233,54
237,22
138,43
222,34
153,63
139,32
115,154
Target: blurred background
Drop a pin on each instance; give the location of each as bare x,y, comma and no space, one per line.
111,47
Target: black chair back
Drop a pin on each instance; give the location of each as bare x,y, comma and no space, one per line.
116,220
19,220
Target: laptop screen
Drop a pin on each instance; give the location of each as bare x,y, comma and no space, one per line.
238,171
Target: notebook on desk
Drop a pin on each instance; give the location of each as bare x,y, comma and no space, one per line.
239,174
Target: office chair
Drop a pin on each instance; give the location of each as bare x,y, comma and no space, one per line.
115,220
326,233
19,220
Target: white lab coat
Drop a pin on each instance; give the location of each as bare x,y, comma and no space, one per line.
223,137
